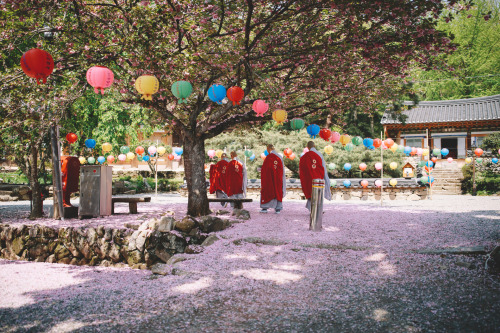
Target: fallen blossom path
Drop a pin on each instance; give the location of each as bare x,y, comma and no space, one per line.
271,274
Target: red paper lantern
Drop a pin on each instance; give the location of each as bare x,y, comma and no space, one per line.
171,156
364,183
139,150
71,137
100,77
292,156
260,107
434,159
377,143
325,134
389,143
478,152
287,152
37,64
413,151
235,95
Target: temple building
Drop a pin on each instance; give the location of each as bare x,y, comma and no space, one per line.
458,125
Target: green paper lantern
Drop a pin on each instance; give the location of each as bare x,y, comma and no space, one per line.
139,158
401,149
248,153
349,147
357,140
124,150
296,124
182,90
333,183
332,166
421,163
436,152
479,160
91,160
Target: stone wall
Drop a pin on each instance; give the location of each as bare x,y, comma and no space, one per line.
419,193
154,241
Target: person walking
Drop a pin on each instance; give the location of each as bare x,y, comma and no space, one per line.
273,182
236,182
312,166
220,178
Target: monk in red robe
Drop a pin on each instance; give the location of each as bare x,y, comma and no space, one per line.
220,179
272,182
236,182
312,166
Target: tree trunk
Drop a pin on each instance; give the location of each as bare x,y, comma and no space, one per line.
36,193
194,166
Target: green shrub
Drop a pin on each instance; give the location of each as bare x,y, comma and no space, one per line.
487,182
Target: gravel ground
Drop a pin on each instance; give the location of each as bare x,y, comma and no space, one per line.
270,274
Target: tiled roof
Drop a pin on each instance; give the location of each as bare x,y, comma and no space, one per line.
472,109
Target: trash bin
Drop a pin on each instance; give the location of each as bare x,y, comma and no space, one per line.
316,217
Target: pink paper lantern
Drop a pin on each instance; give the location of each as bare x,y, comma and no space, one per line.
378,166
122,157
211,153
450,159
100,77
419,151
263,156
362,167
305,150
260,107
111,158
378,183
152,150
334,137
177,157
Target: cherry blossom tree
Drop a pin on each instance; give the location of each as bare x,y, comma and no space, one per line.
308,57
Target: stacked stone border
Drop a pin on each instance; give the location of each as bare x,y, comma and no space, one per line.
155,241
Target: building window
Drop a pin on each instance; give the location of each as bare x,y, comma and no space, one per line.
414,142
477,141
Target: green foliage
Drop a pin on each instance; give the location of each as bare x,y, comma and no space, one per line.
164,185
256,140
491,142
473,70
487,181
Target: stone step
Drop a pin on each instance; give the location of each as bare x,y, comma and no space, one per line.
5,192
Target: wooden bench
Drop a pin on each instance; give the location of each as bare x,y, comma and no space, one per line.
132,203
238,203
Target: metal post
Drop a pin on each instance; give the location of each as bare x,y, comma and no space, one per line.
428,158
316,217
381,173
57,181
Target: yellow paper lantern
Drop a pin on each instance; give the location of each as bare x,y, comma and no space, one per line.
161,150
130,156
344,139
82,160
219,153
106,147
393,165
328,149
279,116
147,85
425,152
393,182
468,160
394,148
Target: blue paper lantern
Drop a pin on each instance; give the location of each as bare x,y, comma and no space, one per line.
266,152
178,151
145,158
347,166
368,143
444,152
494,160
252,157
347,183
429,164
313,130
101,159
90,143
431,180
407,150
372,147
217,93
